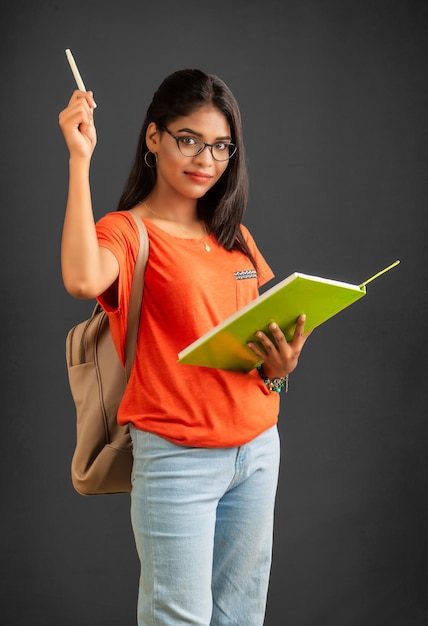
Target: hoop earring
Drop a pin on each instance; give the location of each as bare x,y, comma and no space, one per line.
146,161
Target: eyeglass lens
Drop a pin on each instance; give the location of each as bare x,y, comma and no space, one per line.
190,146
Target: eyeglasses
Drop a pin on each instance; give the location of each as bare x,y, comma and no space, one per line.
191,146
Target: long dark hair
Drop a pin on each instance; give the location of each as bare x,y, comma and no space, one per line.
223,206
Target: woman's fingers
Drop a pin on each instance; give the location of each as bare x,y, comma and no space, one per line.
279,356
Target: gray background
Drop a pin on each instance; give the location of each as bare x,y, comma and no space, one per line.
334,100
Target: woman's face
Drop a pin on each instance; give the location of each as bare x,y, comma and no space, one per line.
189,176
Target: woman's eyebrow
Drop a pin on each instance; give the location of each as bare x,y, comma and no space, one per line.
193,132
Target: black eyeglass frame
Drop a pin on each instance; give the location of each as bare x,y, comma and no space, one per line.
205,145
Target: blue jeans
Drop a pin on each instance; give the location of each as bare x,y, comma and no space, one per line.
203,525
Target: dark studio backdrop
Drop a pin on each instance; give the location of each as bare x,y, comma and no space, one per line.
334,99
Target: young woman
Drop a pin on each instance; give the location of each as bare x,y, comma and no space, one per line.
205,441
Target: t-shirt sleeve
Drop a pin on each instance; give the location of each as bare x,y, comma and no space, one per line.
264,271
118,233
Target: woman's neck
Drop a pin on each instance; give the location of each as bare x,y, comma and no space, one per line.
178,219
179,210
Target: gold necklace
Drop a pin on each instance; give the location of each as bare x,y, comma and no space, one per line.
164,217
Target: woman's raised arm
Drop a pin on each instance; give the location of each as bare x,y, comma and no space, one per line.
87,269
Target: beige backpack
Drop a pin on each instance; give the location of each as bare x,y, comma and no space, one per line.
102,459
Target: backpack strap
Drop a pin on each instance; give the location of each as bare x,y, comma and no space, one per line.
136,296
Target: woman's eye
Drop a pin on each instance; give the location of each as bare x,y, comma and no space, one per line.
221,146
188,141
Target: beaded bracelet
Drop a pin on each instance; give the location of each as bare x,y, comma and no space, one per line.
273,384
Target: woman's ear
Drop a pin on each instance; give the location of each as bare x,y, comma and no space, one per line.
152,137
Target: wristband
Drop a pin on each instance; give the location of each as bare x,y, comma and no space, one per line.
273,384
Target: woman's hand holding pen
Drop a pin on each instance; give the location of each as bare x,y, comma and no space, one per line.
77,124
77,120
279,356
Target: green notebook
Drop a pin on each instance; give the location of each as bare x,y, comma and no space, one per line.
224,346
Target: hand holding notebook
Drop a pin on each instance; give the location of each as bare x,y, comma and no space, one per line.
225,346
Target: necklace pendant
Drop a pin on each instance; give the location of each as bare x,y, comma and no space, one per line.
207,247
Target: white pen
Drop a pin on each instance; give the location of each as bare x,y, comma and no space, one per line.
76,73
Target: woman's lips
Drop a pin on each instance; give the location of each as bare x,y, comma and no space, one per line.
199,177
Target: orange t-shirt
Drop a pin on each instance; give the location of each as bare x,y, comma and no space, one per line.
187,291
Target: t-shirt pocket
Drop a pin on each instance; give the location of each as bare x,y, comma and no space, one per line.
246,287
